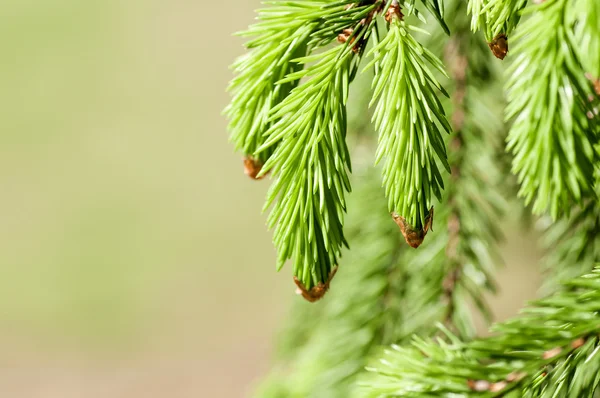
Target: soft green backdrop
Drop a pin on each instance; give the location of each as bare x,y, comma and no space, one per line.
134,261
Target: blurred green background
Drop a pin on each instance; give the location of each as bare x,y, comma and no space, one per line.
134,261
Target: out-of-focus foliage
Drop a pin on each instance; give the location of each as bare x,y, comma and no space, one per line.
551,350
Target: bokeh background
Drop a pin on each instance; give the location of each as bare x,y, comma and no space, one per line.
134,260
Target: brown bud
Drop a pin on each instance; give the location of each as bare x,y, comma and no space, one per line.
499,46
252,168
317,292
414,237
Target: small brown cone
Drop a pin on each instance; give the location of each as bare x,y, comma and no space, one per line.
316,293
252,168
499,46
414,237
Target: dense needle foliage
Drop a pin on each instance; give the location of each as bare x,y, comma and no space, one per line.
399,321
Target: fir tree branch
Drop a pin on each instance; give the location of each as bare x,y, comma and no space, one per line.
551,350
498,19
407,117
552,139
311,159
311,163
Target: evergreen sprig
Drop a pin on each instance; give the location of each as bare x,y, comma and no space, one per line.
300,134
410,119
552,139
551,350
311,163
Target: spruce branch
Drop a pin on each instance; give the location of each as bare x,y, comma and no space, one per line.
311,163
410,120
304,145
288,116
552,139
551,350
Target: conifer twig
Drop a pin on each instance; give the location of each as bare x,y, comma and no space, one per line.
410,140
